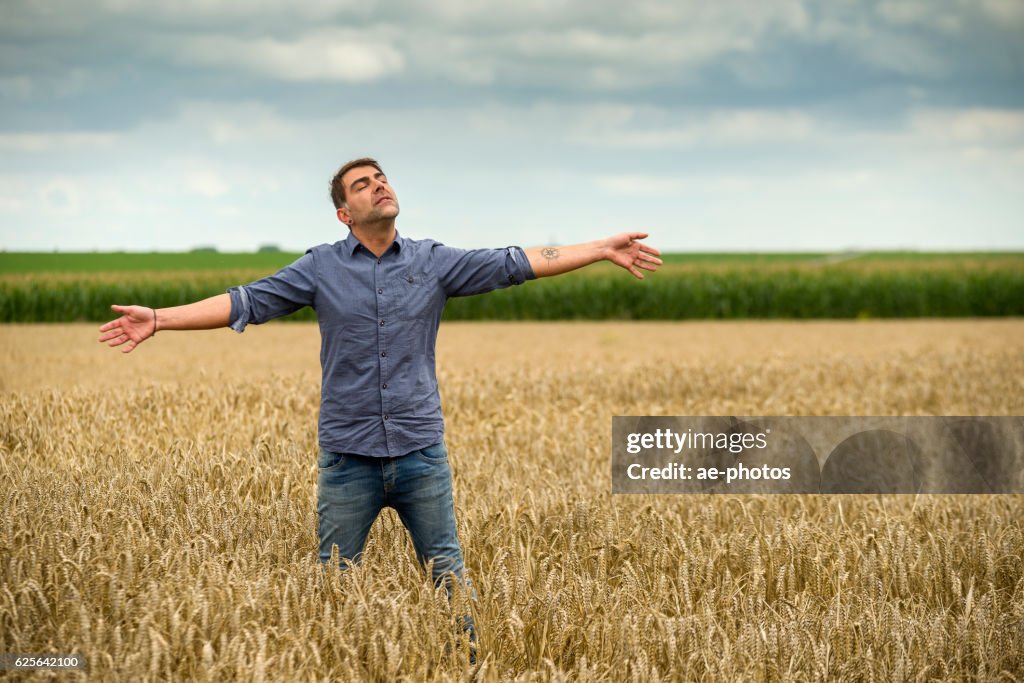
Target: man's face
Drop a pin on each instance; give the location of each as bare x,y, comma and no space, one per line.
368,197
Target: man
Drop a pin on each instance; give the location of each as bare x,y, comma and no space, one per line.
378,298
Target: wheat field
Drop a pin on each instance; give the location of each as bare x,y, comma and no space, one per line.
159,512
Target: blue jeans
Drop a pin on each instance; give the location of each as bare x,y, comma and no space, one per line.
353,489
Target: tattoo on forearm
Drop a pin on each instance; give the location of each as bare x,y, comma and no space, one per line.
550,253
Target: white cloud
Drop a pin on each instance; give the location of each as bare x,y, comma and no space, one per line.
16,87
206,183
206,9
886,48
697,100
730,183
55,141
230,211
714,128
60,81
636,185
58,16
11,198
920,13
620,126
323,55
646,48
584,46
909,204
241,123
972,125
60,195
576,44
1004,11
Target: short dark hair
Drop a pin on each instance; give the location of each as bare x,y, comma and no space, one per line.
338,189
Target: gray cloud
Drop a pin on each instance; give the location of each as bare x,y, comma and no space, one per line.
576,45
181,116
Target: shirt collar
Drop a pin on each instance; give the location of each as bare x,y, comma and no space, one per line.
352,242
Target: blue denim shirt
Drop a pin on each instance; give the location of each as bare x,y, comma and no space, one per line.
378,331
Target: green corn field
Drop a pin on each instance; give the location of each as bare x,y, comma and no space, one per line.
687,287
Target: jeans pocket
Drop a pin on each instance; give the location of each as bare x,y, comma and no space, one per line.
329,461
435,454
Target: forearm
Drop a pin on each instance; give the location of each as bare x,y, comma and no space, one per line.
547,261
201,315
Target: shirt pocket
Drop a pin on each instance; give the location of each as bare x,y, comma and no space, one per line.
414,295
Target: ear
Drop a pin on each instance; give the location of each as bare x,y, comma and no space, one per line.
344,216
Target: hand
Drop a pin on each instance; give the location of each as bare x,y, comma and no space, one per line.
136,325
623,250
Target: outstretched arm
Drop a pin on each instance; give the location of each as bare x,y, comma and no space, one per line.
623,250
139,323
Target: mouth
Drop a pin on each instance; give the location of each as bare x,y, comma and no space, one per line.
382,200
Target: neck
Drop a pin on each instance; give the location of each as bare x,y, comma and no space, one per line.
376,237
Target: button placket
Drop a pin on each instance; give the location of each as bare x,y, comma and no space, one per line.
381,346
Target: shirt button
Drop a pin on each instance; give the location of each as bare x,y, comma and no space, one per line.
382,323
378,260
387,417
383,354
380,291
385,386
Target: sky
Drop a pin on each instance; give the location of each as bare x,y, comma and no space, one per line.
787,125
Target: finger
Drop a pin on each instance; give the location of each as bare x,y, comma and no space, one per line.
129,347
649,249
118,340
111,325
117,332
647,266
643,255
636,273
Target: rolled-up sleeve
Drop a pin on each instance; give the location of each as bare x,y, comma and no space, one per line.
475,271
280,294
